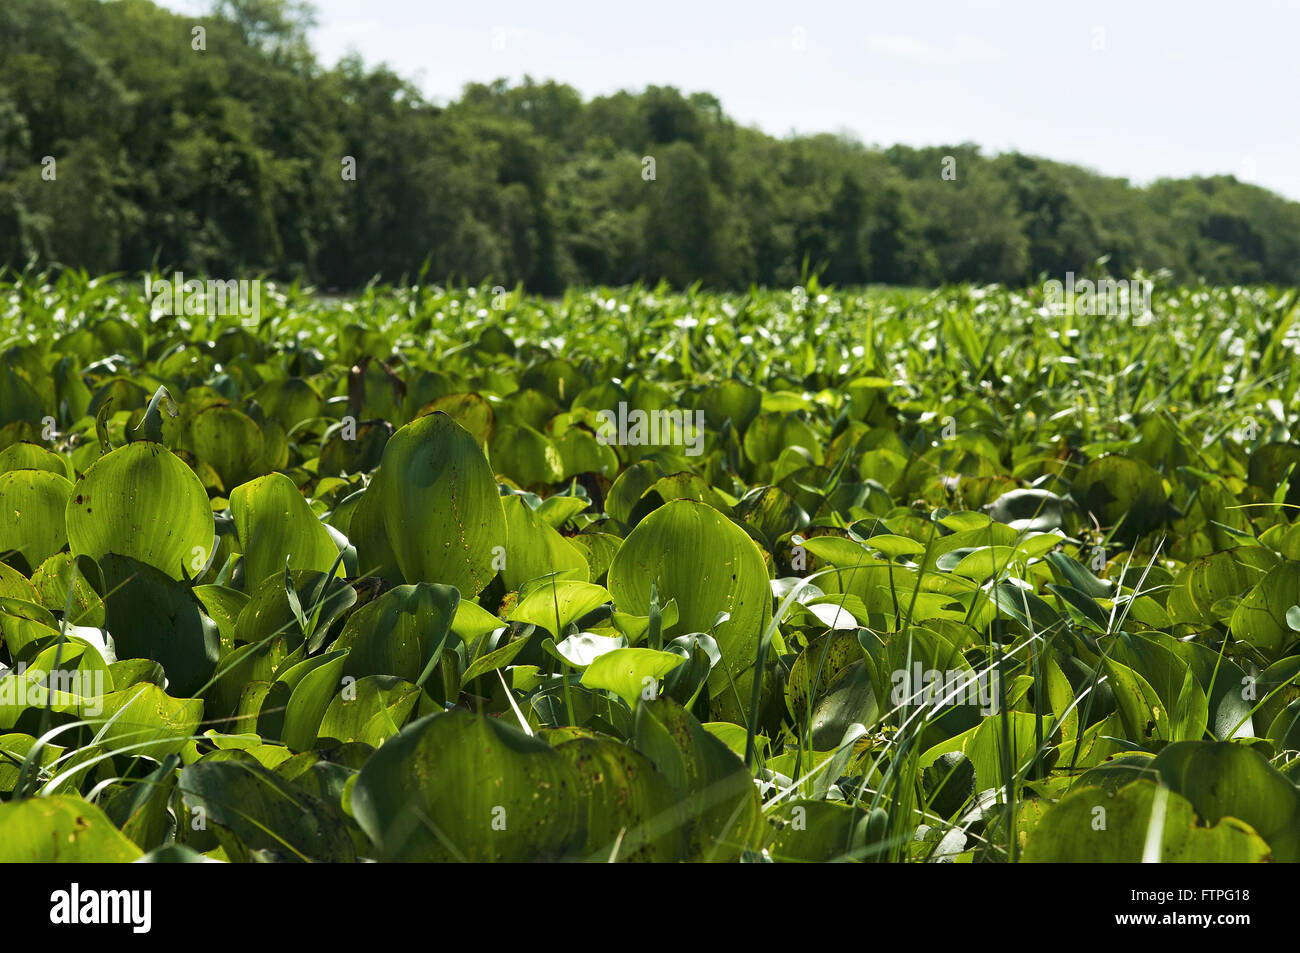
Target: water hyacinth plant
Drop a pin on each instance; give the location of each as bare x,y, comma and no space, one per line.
947,576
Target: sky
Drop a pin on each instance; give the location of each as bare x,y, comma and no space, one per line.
1141,89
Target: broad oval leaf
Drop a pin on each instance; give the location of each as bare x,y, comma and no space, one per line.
440,506
470,788
708,565
142,501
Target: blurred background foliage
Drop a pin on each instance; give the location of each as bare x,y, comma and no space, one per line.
228,161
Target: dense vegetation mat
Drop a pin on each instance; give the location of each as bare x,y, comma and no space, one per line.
437,574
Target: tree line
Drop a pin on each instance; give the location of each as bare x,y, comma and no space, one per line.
133,138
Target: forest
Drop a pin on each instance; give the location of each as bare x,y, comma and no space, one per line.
133,138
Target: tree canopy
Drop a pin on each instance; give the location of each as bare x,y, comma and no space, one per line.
129,139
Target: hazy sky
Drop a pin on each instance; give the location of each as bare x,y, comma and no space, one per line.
1137,88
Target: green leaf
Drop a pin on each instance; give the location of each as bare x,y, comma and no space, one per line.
313,691
498,658
1070,572
1091,826
370,711
142,501
1116,487
251,808
1143,713
534,549
63,572
526,456
555,511
555,604
60,829
32,504
400,632
140,810
720,797
1261,618
472,622
230,442
151,616
820,831
1223,779
633,814
143,720
468,787
707,564
435,477
630,673
983,745
1035,511
274,523
223,605
151,423
849,699
175,854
